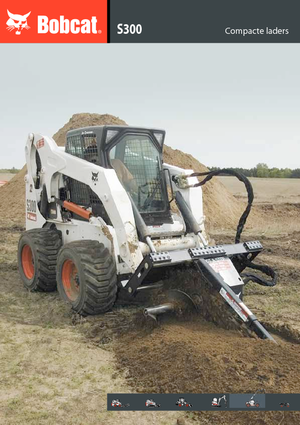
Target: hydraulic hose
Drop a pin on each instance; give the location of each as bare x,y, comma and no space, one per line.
241,224
210,174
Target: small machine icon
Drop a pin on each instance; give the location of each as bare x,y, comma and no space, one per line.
218,402
285,404
181,402
117,403
151,403
252,402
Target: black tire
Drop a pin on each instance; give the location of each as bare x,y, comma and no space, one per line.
87,277
37,257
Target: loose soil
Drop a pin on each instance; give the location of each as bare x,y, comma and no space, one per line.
197,357
42,382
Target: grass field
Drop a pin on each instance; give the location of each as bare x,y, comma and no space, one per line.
266,190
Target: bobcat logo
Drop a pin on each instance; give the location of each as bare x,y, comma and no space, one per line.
95,176
17,22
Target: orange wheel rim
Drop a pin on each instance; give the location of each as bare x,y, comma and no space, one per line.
70,280
27,262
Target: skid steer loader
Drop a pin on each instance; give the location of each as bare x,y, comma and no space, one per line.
99,223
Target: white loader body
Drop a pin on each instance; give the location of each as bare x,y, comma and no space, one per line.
120,237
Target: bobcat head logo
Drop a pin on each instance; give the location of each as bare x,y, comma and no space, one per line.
17,22
95,176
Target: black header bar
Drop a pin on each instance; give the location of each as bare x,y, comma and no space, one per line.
204,21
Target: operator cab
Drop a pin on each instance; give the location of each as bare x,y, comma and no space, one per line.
136,156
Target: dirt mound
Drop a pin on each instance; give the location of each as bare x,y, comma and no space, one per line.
220,207
12,199
85,120
198,357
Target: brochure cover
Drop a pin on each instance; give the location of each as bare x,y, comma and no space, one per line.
150,212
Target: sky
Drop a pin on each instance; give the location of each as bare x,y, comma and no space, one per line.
226,104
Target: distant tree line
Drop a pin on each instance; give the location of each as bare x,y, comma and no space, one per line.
262,170
12,170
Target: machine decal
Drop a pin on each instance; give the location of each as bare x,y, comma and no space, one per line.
31,210
220,264
31,205
94,177
31,216
40,143
237,308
